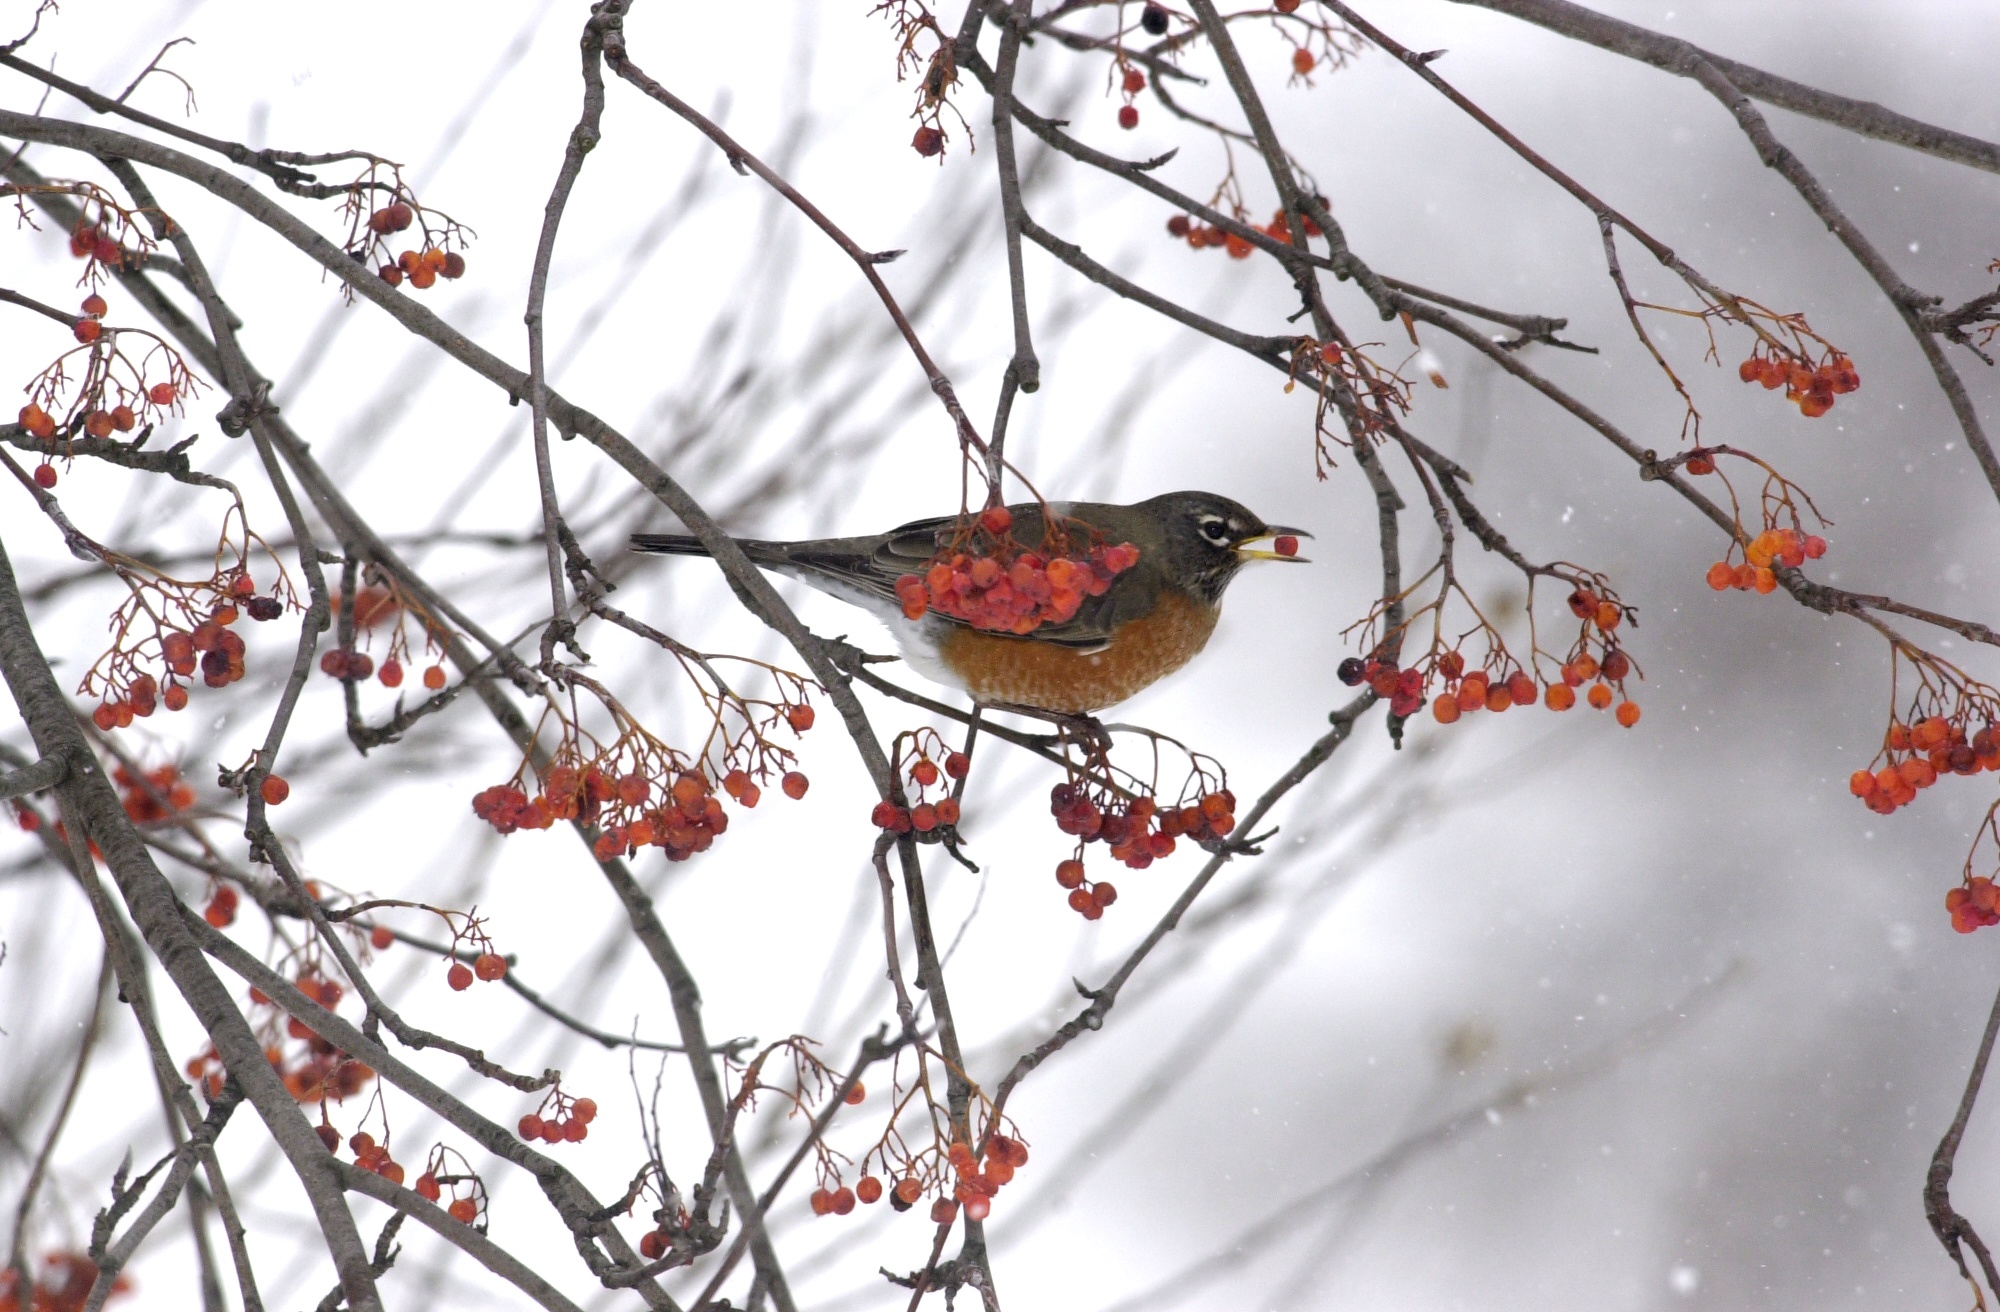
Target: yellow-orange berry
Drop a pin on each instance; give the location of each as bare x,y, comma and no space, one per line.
1560,697
1445,708
1722,576
1628,713
1599,697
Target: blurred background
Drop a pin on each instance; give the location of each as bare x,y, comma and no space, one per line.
1535,1012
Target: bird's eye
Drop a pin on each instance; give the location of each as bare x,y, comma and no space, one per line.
1215,530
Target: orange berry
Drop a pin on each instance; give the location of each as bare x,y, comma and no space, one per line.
274,789
1560,697
1445,708
1521,687
800,717
1608,615
161,393
459,977
434,677
45,475
857,1095
794,784
1599,697
1929,733
1628,713
489,966
1765,582
1302,61
1722,576
1898,737
1861,783
1069,873
1498,698
464,1210
868,1189
87,330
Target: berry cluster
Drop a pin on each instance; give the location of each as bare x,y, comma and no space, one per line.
924,772
374,606
152,795
640,792
1137,830
1975,904
439,239
115,393
368,1155
1000,586
324,1072
463,1208
1785,548
560,1119
185,641
1502,683
1130,83
1202,236
1916,755
63,1284
1812,389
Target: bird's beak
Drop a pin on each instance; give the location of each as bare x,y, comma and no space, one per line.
1268,532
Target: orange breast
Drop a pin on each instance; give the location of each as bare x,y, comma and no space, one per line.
1024,672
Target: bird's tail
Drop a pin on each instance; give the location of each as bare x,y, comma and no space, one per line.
669,544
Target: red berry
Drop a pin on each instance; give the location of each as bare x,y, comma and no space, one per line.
794,784
956,764
161,393
1285,545
584,1109
380,937
45,475
489,966
459,977
434,677
857,1095
800,717
1134,82
391,673
87,330
868,1189
996,520
427,1187
1069,873
929,141
94,306
1302,61
1128,117
274,789
464,1210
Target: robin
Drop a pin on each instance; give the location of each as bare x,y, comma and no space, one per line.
1153,618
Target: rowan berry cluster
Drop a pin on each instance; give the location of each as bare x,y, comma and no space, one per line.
1501,682
1974,904
1812,388
440,239
190,628
926,761
468,934
1136,830
1203,236
1915,755
107,236
151,796
937,72
997,584
1785,548
560,1119
376,605
638,791
468,1190
318,1072
368,1154
116,391
63,1284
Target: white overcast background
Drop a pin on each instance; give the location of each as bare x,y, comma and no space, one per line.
1538,1012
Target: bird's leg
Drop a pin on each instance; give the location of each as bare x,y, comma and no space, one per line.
1087,729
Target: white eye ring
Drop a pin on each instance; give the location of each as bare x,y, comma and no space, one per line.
1215,530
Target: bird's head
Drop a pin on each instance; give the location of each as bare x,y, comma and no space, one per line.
1207,538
